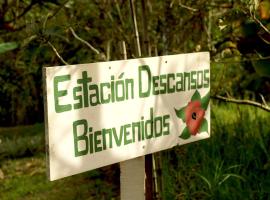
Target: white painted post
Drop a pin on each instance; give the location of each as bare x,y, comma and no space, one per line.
132,179
132,172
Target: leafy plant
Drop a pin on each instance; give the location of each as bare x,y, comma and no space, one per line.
8,46
218,178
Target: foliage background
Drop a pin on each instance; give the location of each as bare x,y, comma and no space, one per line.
235,32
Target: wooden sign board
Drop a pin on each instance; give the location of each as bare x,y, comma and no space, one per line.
102,113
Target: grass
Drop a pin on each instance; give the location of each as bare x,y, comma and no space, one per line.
23,166
233,164
26,179
22,141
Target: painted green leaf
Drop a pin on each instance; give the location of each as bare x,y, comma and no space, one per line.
196,96
204,126
205,101
7,46
121,75
181,114
185,134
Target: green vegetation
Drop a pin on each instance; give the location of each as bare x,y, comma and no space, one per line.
25,178
233,164
22,141
34,34
23,169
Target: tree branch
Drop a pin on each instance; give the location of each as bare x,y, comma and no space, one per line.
83,41
264,39
108,50
116,25
187,7
135,28
119,13
58,9
246,102
26,10
259,22
57,54
220,6
263,100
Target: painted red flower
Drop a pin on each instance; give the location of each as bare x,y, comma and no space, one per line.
193,115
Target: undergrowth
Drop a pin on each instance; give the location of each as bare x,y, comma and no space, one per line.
234,163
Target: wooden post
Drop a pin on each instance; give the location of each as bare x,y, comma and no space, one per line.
149,189
148,177
132,171
146,43
132,179
136,174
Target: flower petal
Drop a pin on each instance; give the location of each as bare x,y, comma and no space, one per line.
190,109
194,124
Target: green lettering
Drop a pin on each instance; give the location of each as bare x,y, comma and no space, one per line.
158,126
187,82
142,127
77,97
193,80
60,93
80,137
134,126
91,140
97,141
149,134
112,89
118,140
169,77
163,84
106,132
129,83
166,125
94,96
199,79
127,134
84,81
179,83
155,85
120,93
206,78
146,93
102,92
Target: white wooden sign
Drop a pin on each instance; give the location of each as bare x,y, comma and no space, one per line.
98,114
